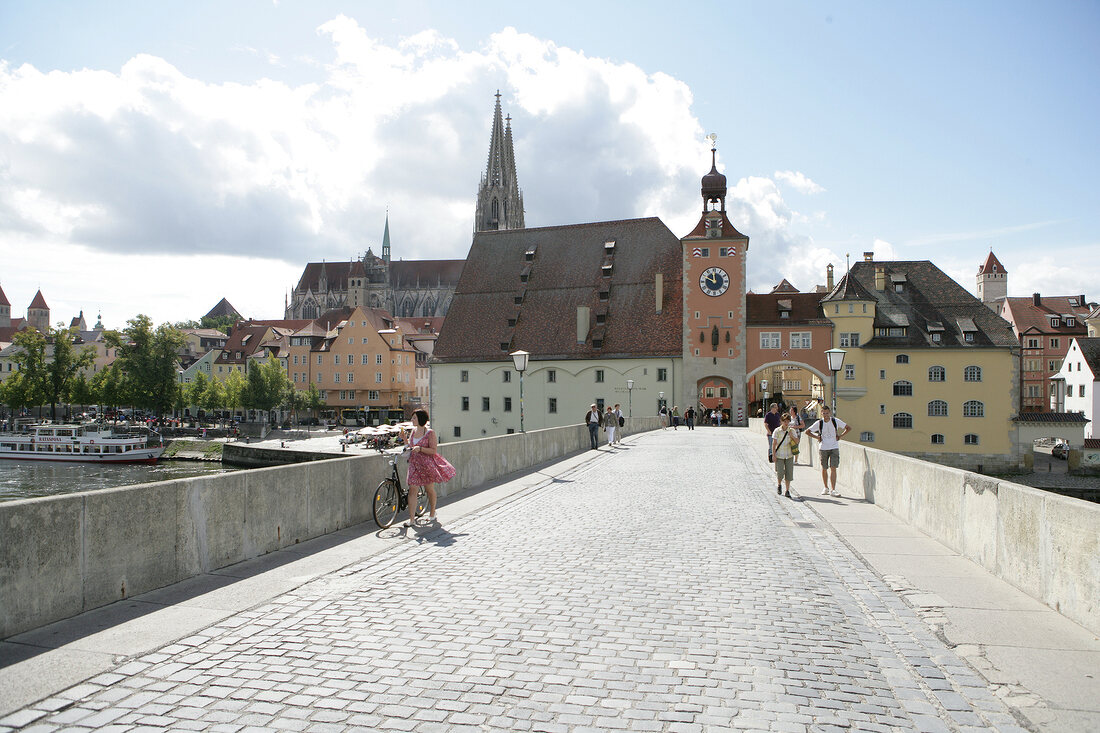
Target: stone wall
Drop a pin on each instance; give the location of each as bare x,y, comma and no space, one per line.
63,555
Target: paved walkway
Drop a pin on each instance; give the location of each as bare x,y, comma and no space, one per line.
658,587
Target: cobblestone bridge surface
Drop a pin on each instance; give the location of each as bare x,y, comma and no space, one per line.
662,586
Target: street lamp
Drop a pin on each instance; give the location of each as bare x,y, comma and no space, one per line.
764,388
519,359
835,357
630,398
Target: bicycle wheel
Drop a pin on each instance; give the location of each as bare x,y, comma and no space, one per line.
385,503
421,501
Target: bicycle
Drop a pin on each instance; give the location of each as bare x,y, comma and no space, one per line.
391,496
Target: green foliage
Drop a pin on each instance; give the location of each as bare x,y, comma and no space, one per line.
221,323
313,397
17,393
196,390
107,388
234,390
48,365
147,358
268,385
213,396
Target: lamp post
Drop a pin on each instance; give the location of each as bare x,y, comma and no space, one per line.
630,398
519,359
764,388
835,357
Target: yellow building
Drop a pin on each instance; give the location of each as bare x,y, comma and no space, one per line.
929,371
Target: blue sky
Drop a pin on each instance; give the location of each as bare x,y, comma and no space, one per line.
229,143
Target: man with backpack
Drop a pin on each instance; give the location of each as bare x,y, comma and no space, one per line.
829,430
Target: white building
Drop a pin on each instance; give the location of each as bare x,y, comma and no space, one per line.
1076,386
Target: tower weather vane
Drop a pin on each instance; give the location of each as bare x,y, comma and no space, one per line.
713,141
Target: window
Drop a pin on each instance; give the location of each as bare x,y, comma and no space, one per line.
710,391
969,337
372,394
903,421
903,388
1080,390
1056,322
901,359
1052,365
458,431
364,338
770,340
336,359
705,251
295,360
465,404
792,385
937,408
378,377
1054,343
552,405
551,375
1071,322
662,375
970,439
377,358
937,374
1034,390
972,374
484,404
599,375
867,437
320,359
882,374
936,337
801,340
937,439
464,376
849,371
319,378
784,314
973,408
364,360
507,404
351,377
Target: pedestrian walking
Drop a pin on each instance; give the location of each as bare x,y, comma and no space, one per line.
610,423
594,420
675,417
426,467
689,418
663,412
797,424
783,439
771,422
620,421
829,430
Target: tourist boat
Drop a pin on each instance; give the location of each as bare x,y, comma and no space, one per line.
83,443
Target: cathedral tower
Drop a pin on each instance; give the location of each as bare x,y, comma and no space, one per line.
715,357
499,199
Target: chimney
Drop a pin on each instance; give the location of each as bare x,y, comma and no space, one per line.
583,320
880,278
1036,300
868,256
660,292
829,277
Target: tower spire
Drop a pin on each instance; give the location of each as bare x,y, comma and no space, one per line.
499,199
386,239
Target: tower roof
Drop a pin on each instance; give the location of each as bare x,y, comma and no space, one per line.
499,199
223,308
714,183
991,264
849,289
39,301
3,298
386,239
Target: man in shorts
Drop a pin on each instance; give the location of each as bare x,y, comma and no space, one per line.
829,430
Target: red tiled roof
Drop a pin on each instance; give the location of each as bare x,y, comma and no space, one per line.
1023,314
805,308
292,324
991,264
413,326
39,301
565,272
784,286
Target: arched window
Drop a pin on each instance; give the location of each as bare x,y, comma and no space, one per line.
972,374
937,408
970,439
902,388
903,420
902,359
937,374
496,210
973,408
937,439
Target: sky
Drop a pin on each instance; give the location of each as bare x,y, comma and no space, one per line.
156,157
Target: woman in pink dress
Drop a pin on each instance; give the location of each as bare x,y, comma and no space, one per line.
426,467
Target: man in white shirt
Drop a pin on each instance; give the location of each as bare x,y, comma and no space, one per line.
829,430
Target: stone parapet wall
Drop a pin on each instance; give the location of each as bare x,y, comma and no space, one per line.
63,555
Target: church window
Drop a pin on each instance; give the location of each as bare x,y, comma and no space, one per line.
496,210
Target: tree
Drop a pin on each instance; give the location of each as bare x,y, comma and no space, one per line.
234,390
107,387
267,385
148,359
220,323
196,390
80,391
213,397
65,364
17,393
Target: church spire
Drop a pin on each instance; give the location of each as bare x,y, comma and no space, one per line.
386,239
499,199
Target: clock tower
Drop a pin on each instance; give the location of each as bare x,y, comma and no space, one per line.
714,307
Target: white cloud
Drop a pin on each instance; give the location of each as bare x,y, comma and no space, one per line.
798,181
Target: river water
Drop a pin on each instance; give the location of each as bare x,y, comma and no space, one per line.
26,479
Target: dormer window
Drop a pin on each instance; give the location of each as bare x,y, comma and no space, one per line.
529,254
784,314
1055,322
604,295
1073,301
606,270
609,246
1070,322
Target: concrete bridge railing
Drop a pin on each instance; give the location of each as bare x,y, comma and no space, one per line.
63,555
1045,544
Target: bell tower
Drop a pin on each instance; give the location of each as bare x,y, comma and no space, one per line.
499,199
714,353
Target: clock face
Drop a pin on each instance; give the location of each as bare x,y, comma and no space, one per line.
714,281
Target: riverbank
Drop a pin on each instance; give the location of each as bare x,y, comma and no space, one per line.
194,449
